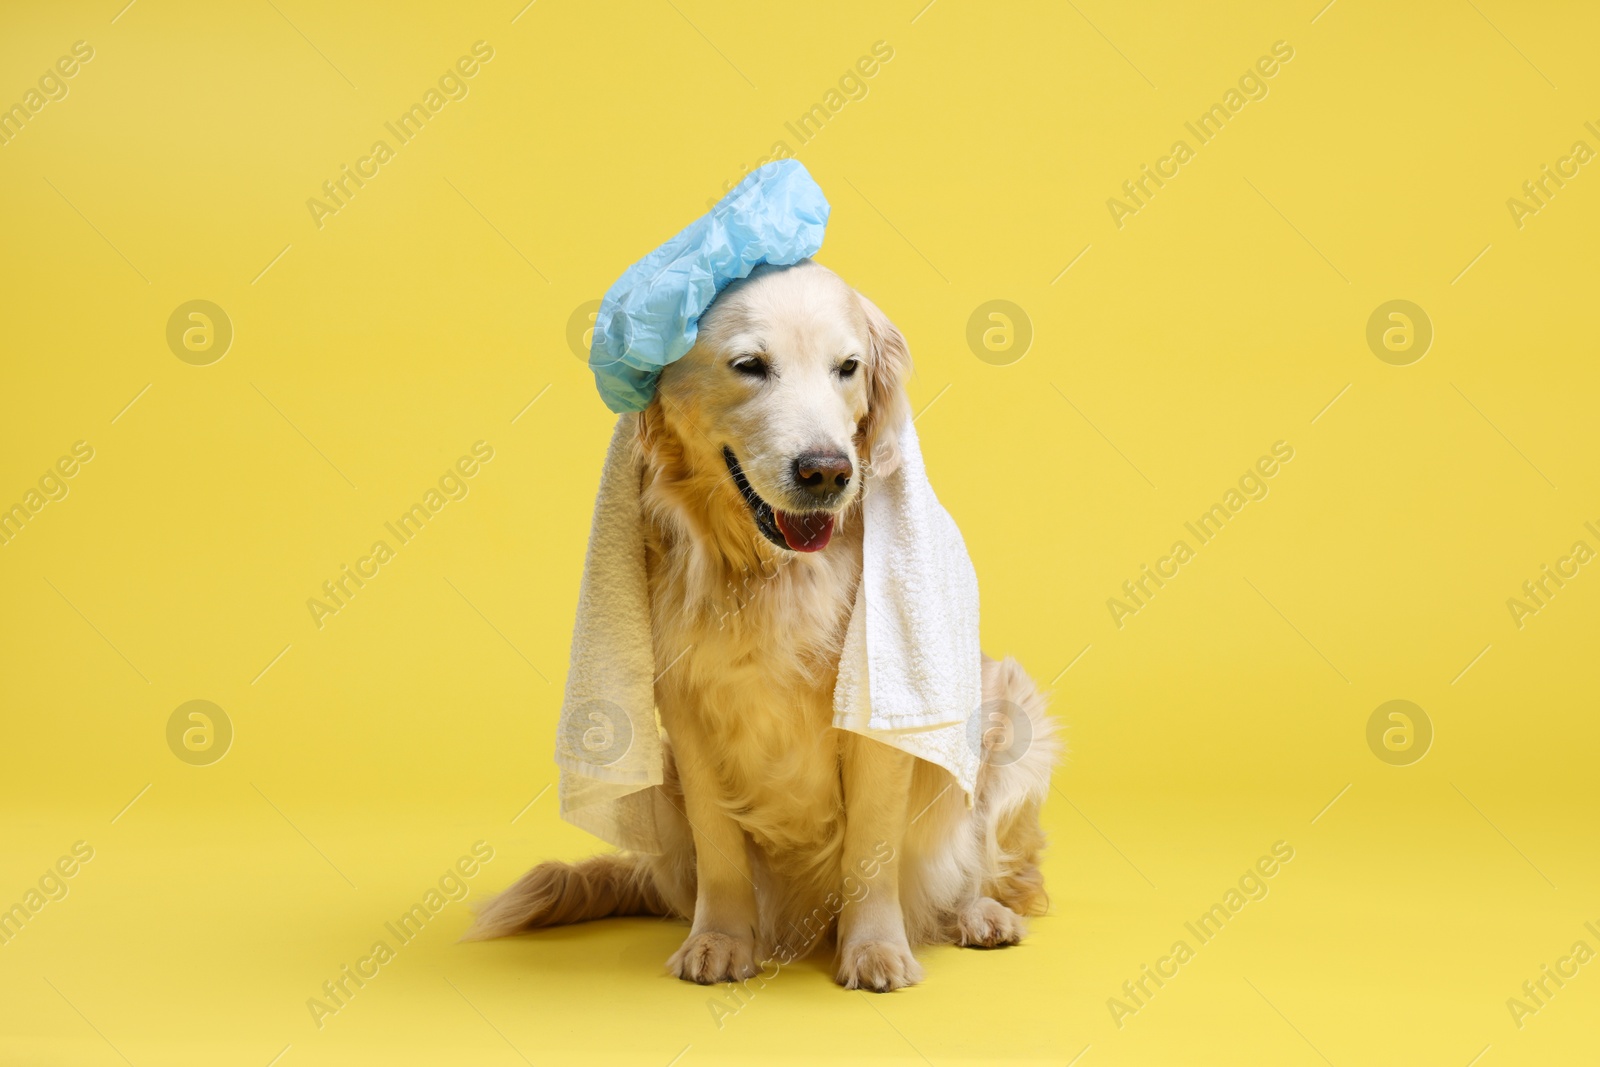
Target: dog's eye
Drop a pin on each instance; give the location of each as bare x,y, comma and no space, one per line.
751,366
848,367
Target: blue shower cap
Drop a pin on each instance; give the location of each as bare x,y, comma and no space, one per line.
650,316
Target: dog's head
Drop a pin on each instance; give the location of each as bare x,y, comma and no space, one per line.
795,384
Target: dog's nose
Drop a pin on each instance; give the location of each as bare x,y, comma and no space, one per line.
823,474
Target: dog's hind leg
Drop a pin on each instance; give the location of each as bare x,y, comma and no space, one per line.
986,923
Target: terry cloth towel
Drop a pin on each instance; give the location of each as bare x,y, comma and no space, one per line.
910,674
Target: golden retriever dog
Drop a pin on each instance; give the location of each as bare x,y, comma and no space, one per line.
785,833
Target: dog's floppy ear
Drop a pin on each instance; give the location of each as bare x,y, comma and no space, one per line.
651,429
657,447
887,366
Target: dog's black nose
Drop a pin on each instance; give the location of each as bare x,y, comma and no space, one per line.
823,474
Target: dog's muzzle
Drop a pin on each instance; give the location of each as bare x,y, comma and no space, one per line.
795,531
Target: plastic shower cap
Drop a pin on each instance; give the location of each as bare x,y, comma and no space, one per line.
650,316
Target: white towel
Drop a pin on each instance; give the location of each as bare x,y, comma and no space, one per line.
910,675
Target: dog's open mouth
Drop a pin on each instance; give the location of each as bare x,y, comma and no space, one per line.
796,531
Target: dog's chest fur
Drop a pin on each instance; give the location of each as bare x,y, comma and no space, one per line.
749,657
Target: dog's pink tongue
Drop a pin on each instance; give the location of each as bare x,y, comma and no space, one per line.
805,533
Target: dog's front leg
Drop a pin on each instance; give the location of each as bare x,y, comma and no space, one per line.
721,946
873,950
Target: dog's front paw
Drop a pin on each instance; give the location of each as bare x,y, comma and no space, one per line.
714,957
877,965
987,923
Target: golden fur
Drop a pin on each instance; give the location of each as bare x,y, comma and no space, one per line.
784,833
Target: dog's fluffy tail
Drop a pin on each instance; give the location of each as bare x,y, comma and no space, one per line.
1016,790
556,894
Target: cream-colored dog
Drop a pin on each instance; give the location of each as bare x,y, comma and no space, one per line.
791,833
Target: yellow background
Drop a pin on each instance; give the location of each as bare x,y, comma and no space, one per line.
426,315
